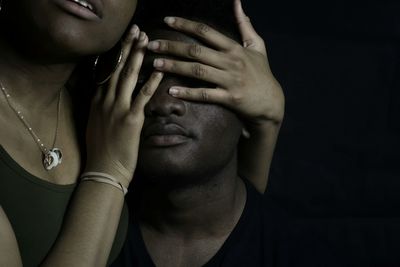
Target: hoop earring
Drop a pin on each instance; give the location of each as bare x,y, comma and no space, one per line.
245,133
106,64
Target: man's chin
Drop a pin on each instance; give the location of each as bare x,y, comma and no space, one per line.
169,176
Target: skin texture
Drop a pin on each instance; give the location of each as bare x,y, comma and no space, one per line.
244,83
35,63
205,128
186,224
94,214
37,57
61,35
192,196
35,85
8,242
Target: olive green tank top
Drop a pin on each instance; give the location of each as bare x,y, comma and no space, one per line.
36,210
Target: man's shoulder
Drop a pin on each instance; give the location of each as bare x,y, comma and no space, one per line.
287,239
259,234
265,204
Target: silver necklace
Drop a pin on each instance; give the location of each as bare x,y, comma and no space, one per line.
51,157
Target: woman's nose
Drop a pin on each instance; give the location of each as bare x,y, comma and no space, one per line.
162,104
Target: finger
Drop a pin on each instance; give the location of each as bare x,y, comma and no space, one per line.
193,70
130,72
146,92
207,95
190,51
98,94
250,37
126,47
202,31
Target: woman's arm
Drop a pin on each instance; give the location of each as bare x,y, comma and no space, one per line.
245,85
113,134
87,234
256,152
9,251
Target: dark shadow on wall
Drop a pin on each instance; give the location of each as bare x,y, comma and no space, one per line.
338,156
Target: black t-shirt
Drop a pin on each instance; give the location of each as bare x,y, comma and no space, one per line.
263,236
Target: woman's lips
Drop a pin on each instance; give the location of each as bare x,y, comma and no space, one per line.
87,10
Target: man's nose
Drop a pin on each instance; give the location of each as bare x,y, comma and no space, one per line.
163,104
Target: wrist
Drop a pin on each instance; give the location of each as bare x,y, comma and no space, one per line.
273,112
265,124
276,111
119,173
262,128
104,178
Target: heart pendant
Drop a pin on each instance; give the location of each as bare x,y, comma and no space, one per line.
52,159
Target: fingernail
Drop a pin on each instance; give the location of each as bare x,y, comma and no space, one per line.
142,36
169,20
153,45
245,133
158,74
134,29
158,63
174,91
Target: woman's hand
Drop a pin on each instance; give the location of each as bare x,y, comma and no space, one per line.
242,74
244,83
116,117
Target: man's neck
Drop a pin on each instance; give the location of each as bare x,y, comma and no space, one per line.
210,209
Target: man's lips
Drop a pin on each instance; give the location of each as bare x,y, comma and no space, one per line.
163,135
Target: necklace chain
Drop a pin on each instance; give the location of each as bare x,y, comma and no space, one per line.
45,151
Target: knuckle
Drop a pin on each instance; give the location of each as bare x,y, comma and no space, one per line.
239,80
131,119
194,50
237,49
236,99
106,110
179,23
204,95
239,64
171,66
249,42
146,90
202,29
164,46
198,71
126,72
244,19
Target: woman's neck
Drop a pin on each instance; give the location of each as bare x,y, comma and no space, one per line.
34,85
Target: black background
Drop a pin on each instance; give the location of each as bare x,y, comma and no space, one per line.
337,163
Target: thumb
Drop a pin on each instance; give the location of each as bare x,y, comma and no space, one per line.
250,37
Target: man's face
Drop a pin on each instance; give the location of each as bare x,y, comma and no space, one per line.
183,143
